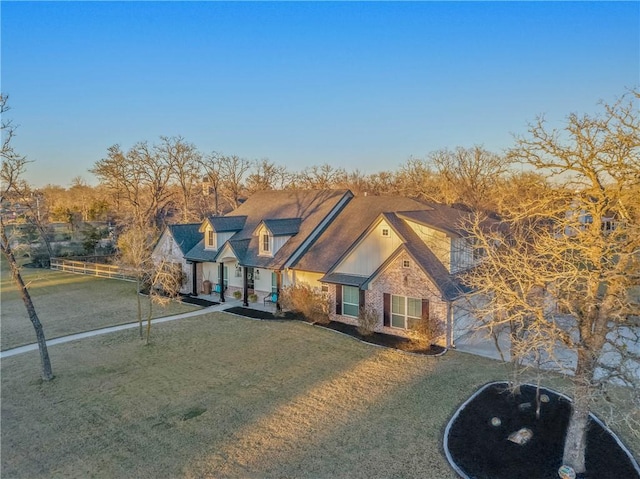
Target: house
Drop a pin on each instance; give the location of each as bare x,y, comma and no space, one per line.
173,245
398,255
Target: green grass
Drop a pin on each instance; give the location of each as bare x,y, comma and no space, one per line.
68,303
224,396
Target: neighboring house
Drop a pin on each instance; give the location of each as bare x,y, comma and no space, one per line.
400,256
173,245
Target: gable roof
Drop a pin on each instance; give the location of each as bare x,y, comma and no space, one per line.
223,224
354,219
282,227
449,285
299,213
186,236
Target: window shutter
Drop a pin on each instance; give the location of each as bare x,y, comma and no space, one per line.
361,300
338,299
425,309
387,309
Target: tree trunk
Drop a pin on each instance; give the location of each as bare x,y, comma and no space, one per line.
575,444
47,372
139,307
149,317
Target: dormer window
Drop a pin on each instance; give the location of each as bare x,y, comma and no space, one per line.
265,242
211,239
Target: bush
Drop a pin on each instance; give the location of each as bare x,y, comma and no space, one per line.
312,303
237,294
368,319
425,332
253,297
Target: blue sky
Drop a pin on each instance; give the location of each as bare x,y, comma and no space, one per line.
357,85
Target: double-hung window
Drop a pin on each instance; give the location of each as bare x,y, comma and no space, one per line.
350,301
211,239
265,243
405,312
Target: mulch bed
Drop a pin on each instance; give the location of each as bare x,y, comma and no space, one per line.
482,450
197,301
387,340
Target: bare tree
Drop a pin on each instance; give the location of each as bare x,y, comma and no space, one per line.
266,175
140,179
13,167
135,245
186,166
566,274
164,280
416,179
321,177
232,173
212,179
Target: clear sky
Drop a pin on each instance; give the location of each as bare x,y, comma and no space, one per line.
357,85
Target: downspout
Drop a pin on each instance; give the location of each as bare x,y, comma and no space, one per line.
221,281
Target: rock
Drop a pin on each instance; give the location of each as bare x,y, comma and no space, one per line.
521,436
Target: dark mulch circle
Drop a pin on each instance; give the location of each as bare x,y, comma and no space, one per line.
480,450
197,301
387,340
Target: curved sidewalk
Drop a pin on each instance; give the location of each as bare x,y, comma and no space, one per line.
97,332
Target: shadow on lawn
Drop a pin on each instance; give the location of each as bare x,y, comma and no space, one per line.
380,339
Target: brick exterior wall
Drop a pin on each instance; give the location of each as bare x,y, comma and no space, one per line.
398,280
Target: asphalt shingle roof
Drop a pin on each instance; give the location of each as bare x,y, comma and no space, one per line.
283,227
304,208
222,224
352,222
186,236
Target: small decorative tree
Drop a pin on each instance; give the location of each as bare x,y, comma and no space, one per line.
164,281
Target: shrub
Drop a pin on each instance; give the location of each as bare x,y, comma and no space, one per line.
253,297
237,294
425,332
312,303
368,319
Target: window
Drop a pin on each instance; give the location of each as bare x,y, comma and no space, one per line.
226,276
238,271
265,242
211,238
350,301
406,263
385,231
274,282
405,312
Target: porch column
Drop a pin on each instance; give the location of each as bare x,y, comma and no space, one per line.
278,288
194,278
245,286
221,281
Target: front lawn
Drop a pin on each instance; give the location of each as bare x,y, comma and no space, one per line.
68,303
224,396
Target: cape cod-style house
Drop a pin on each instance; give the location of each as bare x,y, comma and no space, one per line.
400,256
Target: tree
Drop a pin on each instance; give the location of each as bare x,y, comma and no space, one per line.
164,280
266,175
185,161
135,245
566,274
232,172
13,166
469,174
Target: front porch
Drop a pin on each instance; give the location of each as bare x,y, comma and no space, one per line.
231,302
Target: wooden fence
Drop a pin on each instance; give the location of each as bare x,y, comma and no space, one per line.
92,269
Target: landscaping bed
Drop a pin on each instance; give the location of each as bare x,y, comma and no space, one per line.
479,440
380,339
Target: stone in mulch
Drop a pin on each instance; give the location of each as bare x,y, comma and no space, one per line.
387,340
492,436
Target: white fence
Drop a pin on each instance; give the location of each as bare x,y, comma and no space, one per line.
92,269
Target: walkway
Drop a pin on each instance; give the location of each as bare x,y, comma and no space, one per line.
111,329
